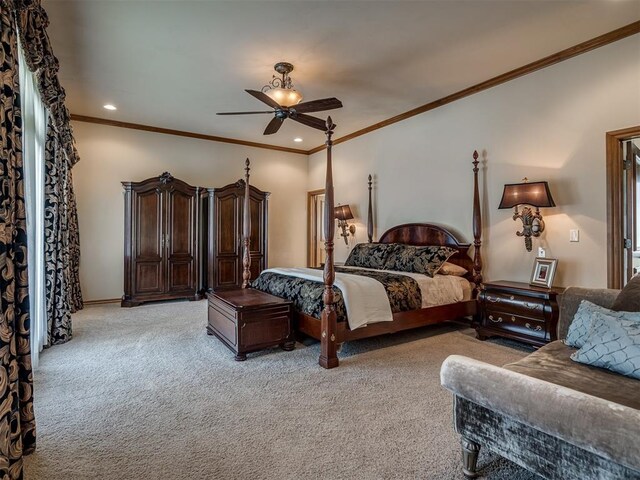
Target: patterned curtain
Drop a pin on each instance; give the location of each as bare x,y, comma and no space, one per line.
62,239
62,245
17,421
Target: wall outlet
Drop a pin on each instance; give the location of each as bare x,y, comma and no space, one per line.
542,252
574,235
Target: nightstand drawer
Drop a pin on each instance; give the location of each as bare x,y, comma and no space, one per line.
511,322
515,302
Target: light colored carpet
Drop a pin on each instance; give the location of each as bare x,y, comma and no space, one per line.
144,393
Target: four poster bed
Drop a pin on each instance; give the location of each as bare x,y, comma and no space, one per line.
410,302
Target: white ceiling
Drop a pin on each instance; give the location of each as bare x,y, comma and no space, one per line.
174,64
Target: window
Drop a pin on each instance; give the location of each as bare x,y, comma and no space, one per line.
34,134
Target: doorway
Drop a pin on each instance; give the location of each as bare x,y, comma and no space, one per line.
623,205
631,152
315,237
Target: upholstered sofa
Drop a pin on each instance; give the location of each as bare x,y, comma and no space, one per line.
547,413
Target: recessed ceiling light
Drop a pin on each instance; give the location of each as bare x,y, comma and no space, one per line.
108,106
297,139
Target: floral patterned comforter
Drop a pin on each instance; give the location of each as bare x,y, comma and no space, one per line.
403,292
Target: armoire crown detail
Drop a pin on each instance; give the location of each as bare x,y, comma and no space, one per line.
165,178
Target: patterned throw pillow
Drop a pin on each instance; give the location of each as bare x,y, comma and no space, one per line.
426,260
370,255
614,344
583,321
628,300
449,268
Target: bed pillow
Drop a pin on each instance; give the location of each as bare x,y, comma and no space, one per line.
628,300
426,260
369,255
583,320
614,344
449,268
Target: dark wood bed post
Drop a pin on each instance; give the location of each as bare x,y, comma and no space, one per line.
246,229
370,215
477,227
328,322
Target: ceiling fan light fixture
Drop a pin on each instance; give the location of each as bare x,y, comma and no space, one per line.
287,97
280,88
285,100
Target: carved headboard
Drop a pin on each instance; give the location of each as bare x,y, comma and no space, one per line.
421,234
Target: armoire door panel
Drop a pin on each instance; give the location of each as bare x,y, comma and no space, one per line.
227,272
256,267
180,228
148,232
227,219
149,278
180,275
179,237
257,214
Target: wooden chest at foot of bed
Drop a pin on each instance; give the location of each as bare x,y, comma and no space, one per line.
247,320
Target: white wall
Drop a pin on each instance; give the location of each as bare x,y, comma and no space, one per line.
549,125
110,155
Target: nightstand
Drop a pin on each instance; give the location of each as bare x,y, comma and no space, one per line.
519,311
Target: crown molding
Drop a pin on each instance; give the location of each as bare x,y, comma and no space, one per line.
584,47
181,133
597,42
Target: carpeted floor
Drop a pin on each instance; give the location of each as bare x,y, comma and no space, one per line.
144,393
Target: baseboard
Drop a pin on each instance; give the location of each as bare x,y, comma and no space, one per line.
102,302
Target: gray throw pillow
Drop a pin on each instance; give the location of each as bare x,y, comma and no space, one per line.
628,300
582,321
614,344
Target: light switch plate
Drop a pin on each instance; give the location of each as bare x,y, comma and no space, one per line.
542,252
574,235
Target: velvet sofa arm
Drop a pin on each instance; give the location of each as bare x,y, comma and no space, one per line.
570,301
599,426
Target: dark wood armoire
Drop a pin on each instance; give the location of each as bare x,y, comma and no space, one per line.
162,239
224,210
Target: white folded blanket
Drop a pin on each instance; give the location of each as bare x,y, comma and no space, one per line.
436,290
365,299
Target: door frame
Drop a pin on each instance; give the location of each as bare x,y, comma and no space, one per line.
615,204
311,251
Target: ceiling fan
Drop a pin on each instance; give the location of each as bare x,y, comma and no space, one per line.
280,95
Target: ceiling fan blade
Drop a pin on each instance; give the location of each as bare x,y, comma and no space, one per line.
317,105
242,113
310,121
263,97
273,126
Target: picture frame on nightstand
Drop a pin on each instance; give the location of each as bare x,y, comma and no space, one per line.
544,271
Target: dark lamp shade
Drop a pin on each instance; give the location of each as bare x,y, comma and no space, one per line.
536,194
343,212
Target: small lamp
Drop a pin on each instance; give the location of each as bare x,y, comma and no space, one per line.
535,194
281,88
343,213
287,97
